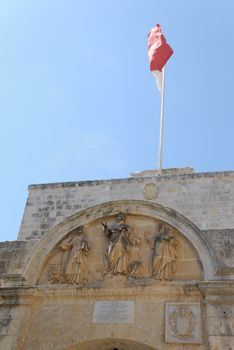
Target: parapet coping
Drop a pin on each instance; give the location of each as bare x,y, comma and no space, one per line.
159,177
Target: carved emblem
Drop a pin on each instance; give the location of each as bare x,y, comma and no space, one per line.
73,269
151,191
123,248
182,322
164,254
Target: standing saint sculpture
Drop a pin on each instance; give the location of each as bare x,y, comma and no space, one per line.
164,254
120,241
74,265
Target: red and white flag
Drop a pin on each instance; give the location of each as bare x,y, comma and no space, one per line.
159,53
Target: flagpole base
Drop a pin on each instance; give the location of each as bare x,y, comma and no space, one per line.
166,171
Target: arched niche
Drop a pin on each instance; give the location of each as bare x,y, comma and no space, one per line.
135,210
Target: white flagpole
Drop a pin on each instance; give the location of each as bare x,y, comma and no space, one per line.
161,121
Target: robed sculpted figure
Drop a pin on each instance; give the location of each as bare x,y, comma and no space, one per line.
164,254
74,265
120,242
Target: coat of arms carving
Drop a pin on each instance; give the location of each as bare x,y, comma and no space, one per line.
183,322
150,191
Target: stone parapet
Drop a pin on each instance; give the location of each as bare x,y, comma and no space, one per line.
206,199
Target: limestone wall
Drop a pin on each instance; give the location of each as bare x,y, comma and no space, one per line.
206,199
14,255
63,320
220,325
49,288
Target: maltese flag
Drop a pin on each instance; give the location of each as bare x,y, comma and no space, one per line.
159,53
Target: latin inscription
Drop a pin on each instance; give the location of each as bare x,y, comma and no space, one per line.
113,312
222,243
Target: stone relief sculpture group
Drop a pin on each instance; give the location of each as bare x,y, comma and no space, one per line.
122,254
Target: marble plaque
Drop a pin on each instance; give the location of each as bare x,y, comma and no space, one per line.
183,323
113,312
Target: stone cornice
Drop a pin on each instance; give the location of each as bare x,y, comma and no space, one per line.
159,177
217,291
167,290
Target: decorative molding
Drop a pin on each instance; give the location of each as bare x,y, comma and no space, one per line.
218,289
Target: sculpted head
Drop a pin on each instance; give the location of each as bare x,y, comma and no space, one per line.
120,216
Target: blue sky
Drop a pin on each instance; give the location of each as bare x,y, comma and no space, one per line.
78,101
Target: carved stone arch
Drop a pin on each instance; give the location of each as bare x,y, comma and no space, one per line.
109,344
134,207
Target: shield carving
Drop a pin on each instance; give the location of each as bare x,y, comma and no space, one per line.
182,322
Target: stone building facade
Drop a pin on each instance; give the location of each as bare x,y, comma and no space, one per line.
145,263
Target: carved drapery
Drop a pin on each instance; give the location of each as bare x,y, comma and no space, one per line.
164,254
123,248
124,253
73,268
